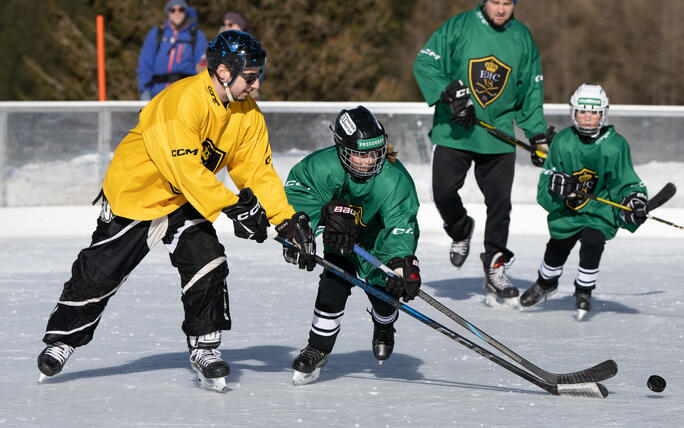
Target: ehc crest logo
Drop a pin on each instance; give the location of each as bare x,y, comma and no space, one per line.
487,77
587,180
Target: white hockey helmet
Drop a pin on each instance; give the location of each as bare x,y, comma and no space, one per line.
589,98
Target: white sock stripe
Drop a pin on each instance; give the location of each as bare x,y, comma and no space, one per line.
324,314
94,299
118,235
588,271
176,236
326,324
587,278
205,269
320,332
550,272
385,320
83,327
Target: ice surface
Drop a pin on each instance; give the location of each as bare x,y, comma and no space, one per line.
136,371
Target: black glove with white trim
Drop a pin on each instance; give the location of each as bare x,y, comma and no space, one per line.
457,95
407,282
298,231
341,231
563,184
249,217
637,201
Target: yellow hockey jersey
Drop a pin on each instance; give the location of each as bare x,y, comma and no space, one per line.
183,138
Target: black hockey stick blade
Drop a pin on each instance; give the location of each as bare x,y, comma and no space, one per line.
665,194
599,372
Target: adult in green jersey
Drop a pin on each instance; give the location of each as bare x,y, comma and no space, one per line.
356,192
483,64
592,158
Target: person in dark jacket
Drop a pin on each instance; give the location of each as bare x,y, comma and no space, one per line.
171,51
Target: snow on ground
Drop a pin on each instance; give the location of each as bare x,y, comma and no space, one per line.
136,370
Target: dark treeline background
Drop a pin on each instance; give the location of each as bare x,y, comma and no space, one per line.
356,50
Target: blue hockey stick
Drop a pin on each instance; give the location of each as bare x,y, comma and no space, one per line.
598,373
584,389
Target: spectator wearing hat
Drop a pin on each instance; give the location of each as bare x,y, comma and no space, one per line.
171,51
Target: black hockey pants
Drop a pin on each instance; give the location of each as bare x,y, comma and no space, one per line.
494,176
331,300
118,245
592,243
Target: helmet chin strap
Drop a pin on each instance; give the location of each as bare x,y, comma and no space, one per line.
228,93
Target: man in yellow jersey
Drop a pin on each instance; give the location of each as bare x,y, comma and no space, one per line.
162,186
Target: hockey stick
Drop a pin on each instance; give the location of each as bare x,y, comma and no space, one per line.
659,199
509,138
597,373
585,389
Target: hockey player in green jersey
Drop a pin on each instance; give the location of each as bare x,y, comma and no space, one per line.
356,192
591,158
481,63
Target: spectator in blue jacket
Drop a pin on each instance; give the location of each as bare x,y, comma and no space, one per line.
171,51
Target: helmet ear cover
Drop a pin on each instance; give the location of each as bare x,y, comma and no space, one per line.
589,98
361,143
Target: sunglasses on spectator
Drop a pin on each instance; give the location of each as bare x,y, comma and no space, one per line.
251,77
176,9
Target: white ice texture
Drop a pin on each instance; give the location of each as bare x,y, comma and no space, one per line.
136,370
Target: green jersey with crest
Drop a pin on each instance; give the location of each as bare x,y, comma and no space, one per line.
502,69
386,206
604,168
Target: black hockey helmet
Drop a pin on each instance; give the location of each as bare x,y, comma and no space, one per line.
237,50
361,142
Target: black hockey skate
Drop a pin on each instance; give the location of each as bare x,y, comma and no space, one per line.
460,249
383,341
540,290
51,361
500,291
582,302
307,365
211,369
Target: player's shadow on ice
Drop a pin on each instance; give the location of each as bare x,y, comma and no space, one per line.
566,302
257,358
466,288
400,368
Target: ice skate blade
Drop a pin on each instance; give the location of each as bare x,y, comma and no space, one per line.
301,378
215,385
42,377
542,300
493,301
581,314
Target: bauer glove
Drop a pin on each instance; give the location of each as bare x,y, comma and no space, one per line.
457,95
637,202
563,184
407,281
249,217
298,231
341,231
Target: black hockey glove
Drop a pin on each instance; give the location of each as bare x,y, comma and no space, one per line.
249,217
541,142
563,184
341,231
298,231
637,201
457,95
407,282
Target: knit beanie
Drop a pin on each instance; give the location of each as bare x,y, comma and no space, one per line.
172,3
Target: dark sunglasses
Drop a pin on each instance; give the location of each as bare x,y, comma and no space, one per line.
176,9
251,77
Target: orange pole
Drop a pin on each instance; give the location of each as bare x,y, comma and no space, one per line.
101,83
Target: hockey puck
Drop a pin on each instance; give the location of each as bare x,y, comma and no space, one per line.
656,383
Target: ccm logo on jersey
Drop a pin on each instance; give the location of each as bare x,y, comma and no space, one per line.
344,210
255,209
182,152
402,231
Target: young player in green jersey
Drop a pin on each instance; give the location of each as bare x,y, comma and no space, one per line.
482,63
592,158
356,192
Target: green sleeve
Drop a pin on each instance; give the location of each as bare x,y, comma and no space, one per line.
621,179
530,111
